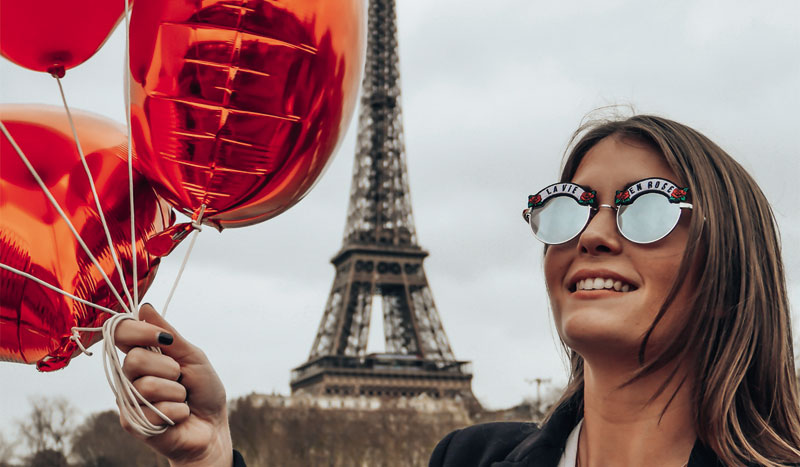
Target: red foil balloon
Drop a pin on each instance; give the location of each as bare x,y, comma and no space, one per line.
55,35
238,104
36,322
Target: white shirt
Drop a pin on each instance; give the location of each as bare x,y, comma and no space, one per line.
570,456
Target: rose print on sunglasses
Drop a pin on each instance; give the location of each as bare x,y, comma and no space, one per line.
678,195
554,219
586,198
534,201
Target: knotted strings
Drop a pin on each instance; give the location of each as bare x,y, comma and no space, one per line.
128,398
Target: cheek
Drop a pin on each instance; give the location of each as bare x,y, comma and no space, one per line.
555,267
548,268
659,267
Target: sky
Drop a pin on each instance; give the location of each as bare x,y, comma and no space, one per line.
492,92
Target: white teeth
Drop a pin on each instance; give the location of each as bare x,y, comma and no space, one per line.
599,283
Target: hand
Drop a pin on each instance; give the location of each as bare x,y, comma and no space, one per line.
183,385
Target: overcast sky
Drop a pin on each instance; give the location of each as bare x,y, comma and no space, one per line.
491,93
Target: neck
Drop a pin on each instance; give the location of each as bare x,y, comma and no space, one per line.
623,427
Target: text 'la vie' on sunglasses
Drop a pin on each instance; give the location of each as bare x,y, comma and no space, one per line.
647,210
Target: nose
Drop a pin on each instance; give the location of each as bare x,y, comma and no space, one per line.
601,235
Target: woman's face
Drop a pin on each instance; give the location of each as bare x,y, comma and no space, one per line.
607,323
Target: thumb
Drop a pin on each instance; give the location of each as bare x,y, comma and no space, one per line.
180,346
149,314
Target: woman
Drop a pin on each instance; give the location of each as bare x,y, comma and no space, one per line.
664,274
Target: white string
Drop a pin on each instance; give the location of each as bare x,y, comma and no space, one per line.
63,216
129,398
97,201
130,158
127,395
198,226
56,289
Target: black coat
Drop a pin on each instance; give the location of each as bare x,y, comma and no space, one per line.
515,444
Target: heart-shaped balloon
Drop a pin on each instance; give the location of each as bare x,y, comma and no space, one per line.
36,322
55,35
238,105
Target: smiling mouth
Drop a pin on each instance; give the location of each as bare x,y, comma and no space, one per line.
600,283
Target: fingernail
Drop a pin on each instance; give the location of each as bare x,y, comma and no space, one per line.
165,338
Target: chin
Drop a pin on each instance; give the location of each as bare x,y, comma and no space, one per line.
592,333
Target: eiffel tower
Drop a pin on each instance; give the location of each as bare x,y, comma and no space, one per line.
380,257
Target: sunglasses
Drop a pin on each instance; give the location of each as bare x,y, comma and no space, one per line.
647,211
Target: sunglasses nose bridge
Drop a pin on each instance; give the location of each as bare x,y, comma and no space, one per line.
595,210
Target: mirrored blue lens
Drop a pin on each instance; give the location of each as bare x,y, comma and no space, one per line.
649,218
559,220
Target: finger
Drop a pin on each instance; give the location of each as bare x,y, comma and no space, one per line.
179,347
160,390
141,362
178,412
131,333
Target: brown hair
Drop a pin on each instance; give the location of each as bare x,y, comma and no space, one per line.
745,392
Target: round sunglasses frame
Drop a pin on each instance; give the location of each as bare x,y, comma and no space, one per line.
585,199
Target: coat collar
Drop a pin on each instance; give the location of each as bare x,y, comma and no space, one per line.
545,447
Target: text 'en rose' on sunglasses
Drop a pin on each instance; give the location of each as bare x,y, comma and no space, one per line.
647,210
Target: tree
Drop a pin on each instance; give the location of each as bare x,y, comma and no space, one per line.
48,458
303,434
47,428
6,451
101,442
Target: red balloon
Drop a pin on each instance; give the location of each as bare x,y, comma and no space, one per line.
36,322
239,106
55,35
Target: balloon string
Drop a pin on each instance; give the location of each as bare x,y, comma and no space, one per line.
111,248
129,399
56,289
127,395
197,225
130,157
63,216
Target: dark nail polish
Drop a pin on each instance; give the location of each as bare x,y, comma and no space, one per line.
165,338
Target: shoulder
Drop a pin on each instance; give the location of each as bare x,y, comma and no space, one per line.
480,445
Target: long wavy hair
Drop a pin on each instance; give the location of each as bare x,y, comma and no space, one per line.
746,392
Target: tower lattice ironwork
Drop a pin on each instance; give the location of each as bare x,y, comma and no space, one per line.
380,257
